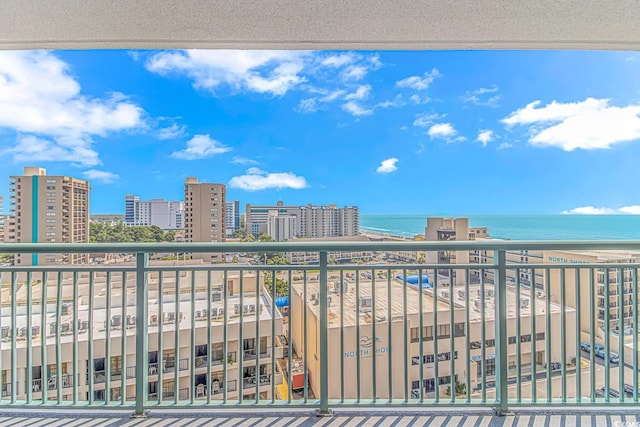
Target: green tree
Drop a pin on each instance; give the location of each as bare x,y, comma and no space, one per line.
461,389
282,286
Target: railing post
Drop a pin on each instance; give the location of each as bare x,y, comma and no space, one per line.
142,260
502,391
324,333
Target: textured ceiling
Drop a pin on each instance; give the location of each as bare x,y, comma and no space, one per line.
321,24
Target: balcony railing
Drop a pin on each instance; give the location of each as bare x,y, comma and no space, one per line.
405,334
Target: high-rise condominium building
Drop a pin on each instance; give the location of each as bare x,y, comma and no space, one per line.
1,219
166,214
232,217
48,209
204,205
308,221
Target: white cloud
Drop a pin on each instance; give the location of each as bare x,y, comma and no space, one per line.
354,72
103,176
307,105
483,97
419,82
42,102
485,137
356,109
388,165
263,71
631,210
419,100
174,131
504,146
593,210
396,102
442,130
240,160
256,179
590,124
426,119
361,93
201,147
339,60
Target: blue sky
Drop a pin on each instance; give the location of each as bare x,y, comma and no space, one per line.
391,132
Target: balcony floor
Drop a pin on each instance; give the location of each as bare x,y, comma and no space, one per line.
255,418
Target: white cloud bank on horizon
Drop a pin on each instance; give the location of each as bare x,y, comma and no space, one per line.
42,102
593,210
589,125
256,179
388,165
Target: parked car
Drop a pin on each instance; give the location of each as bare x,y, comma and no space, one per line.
585,346
613,357
628,390
612,392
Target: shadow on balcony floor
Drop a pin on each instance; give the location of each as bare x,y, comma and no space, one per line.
342,419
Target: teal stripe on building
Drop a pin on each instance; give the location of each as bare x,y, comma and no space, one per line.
34,216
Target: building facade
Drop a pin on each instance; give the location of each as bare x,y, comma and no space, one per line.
205,206
48,209
380,325
307,221
232,217
193,369
166,214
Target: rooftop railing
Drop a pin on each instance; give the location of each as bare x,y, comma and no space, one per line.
406,334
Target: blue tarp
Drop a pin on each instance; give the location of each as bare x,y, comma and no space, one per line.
282,302
414,279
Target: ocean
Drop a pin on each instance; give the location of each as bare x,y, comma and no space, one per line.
519,227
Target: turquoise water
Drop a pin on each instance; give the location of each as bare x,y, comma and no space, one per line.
520,227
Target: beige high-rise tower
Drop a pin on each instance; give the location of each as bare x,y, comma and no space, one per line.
48,209
204,215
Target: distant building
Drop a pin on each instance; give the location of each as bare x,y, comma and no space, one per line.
204,205
48,209
232,217
1,219
308,221
168,215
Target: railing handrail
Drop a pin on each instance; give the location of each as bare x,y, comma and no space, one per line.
315,246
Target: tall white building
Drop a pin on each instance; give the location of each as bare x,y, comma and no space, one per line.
168,215
232,217
308,220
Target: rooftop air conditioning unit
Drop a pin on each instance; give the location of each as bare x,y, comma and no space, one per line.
524,303
236,309
489,293
445,294
460,294
216,296
365,304
338,287
329,301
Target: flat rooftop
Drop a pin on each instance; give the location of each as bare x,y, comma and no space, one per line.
351,313
126,322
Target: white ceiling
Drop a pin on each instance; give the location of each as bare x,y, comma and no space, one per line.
321,24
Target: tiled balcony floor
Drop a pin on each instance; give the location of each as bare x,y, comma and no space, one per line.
193,418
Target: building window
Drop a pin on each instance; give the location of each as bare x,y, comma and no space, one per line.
51,187
51,181
444,331
50,208
490,343
458,330
51,214
540,336
51,200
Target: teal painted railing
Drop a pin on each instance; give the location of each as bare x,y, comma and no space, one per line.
511,324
